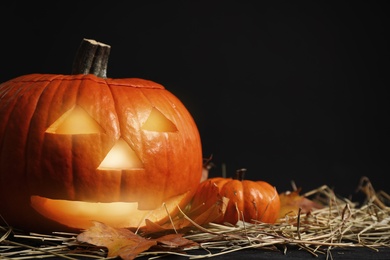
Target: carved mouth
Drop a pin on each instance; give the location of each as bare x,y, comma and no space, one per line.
80,215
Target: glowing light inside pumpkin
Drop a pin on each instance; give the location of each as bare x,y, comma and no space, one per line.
75,121
158,122
80,214
121,156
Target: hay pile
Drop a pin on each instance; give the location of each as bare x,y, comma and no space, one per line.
339,224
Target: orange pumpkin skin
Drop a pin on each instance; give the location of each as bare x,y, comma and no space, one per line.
35,160
249,201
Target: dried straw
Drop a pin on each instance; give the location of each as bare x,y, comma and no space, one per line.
339,224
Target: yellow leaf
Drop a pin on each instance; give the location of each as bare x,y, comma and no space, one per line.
291,202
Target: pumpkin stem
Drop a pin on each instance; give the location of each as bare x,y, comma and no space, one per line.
240,174
91,58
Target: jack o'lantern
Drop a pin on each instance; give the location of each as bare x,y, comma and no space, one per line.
83,147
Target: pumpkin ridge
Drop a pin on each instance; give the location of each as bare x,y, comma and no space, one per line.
114,97
36,77
31,144
54,87
20,94
77,188
134,82
4,122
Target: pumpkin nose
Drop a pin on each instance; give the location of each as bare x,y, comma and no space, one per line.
121,157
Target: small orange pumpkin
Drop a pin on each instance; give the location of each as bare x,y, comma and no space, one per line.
83,147
249,201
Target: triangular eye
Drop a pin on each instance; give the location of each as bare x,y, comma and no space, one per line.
121,156
75,121
158,122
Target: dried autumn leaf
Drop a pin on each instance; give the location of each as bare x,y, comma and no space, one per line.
211,213
176,241
174,224
152,227
206,206
291,202
119,241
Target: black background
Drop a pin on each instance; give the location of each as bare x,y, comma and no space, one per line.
290,90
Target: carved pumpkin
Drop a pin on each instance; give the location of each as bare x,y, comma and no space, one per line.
81,147
249,201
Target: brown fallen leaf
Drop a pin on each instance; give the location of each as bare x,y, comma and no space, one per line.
119,241
205,207
291,202
176,241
